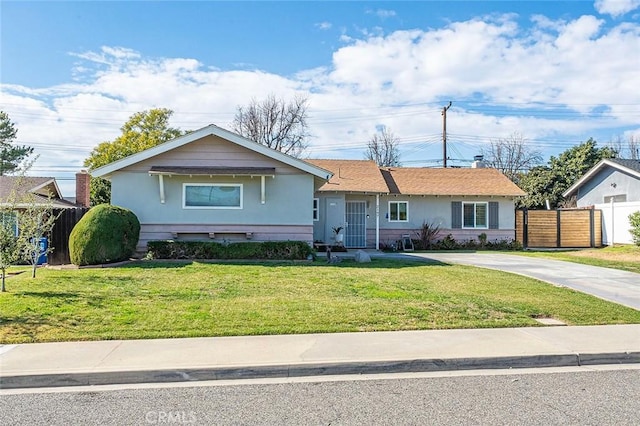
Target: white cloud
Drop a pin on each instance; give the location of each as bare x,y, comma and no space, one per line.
544,81
323,25
382,13
616,7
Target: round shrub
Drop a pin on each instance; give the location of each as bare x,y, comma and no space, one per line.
105,234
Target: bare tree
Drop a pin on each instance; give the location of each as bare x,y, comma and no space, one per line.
383,149
629,148
512,156
30,218
278,124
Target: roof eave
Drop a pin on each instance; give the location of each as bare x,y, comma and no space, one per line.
595,169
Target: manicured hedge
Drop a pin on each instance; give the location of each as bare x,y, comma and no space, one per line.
270,250
105,234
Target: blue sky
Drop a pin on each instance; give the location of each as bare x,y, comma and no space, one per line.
555,72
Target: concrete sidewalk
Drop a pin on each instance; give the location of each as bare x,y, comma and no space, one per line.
195,359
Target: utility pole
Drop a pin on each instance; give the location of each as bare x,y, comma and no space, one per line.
444,134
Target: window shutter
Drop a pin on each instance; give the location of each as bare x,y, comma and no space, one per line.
493,214
456,214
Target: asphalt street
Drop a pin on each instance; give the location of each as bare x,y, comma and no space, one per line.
540,398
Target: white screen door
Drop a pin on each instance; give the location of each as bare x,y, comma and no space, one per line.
356,229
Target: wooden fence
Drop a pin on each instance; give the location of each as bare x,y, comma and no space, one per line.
59,238
570,228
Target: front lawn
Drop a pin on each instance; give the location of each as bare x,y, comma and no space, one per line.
158,299
623,256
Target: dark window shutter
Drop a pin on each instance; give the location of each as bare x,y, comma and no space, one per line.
493,214
456,214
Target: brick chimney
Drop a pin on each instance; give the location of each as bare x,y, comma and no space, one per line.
82,188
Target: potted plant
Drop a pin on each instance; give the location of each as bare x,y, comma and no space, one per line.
338,237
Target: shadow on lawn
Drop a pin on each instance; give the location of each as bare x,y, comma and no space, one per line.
67,298
376,263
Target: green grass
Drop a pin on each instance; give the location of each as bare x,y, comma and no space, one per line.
158,299
623,257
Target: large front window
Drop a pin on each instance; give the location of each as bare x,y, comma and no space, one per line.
474,215
212,196
398,211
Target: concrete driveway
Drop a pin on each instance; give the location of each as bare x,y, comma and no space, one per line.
610,284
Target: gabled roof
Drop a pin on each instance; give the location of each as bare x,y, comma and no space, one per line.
628,164
19,187
352,176
451,181
631,167
210,130
366,176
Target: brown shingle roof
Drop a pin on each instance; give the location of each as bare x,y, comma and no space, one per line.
352,176
20,185
424,181
15,188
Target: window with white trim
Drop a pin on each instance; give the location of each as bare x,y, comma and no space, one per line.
398,211
212,196
475,215
316,209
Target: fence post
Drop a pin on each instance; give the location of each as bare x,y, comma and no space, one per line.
592,231
525,228
558,220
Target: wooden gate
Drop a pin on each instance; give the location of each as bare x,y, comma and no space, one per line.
564,228
59,239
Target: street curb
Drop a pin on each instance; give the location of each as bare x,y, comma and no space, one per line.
314,369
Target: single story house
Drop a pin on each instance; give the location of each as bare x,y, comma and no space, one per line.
379,205
612,186
16,191
212,183
215,184
610,180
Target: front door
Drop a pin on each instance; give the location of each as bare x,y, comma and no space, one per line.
356,224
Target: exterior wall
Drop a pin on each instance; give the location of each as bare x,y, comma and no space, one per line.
331,214
285,215
615,222
150,232
607,182
288,200
432,209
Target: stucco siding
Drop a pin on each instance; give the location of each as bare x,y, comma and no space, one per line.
608,182
288,200
437,211
433,210
285,215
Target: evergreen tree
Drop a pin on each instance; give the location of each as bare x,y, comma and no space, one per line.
10,156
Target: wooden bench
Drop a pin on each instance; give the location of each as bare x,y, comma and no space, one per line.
212,235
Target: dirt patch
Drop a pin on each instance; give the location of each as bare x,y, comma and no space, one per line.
608,255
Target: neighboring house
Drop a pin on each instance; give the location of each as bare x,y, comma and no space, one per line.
613,186
212,183
380,205
16,191
610,180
